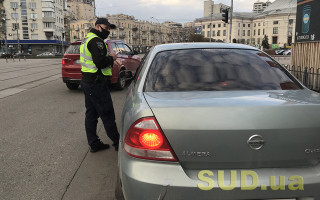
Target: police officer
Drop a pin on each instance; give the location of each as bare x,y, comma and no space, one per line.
96,68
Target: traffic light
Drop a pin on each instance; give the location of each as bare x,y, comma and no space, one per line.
225,15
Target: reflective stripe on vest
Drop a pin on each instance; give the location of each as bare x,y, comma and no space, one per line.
87,64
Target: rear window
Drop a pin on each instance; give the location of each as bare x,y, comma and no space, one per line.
73,49
216,70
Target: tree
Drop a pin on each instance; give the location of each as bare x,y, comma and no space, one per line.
198,38
265,42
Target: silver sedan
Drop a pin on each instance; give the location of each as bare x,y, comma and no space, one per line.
218,121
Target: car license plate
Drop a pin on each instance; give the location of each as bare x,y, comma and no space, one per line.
77,61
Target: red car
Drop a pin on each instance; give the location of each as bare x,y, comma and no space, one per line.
124,66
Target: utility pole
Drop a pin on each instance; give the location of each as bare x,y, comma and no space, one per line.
231,12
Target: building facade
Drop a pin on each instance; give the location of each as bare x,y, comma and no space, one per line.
211,7
34,26
136,33
277,22
81,9
260,6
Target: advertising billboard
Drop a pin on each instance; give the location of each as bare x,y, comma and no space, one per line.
307,22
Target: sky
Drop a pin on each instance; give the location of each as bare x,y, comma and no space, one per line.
164,10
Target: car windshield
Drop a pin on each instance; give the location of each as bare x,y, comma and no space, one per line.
216,70
73,49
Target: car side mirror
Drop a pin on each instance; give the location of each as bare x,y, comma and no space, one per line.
135,52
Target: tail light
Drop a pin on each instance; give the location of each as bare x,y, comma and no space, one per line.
146,140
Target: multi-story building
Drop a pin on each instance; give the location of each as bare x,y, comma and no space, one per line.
260,6
211,8
34,26
277,21
81,9
136,33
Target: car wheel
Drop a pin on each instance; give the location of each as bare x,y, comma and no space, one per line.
72,86
121,80
118,190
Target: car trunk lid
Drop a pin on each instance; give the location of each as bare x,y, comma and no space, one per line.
222,129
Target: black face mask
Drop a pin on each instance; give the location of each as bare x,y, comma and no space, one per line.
104,33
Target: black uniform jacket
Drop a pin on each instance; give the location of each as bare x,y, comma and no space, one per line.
98,50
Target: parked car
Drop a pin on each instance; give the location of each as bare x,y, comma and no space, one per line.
280,51
124,66
198,116
46,54
287,52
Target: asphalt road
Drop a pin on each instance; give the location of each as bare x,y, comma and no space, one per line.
43,148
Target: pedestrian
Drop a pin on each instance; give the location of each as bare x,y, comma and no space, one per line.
96,68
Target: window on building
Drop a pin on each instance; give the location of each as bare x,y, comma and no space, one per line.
275,22
33,15
238,24
218,33
14,5
32,5
248,41
208,33
208,26
213,26
248,25
213,33
204,26
263,32
258,42
248,32
275,40
15,26
34,25
254,32
243,33
238,32
224,32
244,25
255,24
48,25
258,31
47,14
258,24
14,15
224,25
275,30
219,25
290,21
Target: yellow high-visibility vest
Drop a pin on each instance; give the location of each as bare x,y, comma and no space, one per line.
87,64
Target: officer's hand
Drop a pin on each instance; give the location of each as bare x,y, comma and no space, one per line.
114,56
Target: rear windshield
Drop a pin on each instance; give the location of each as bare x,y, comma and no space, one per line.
216,70
73,49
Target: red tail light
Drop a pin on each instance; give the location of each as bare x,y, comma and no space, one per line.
63,61
146,140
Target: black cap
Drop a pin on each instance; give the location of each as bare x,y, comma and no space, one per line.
105,22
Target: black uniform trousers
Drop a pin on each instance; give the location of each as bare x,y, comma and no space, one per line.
98,103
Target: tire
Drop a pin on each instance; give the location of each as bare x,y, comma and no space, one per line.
118,190
72,86
121,84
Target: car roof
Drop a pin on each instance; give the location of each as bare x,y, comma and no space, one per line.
201,45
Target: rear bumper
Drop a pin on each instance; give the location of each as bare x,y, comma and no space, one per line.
148,180
71,80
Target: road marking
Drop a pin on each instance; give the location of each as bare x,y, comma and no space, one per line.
10,91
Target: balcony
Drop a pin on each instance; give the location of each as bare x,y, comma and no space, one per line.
49,19
144,37
135,28
49,30
76,28
135,36
152,31
121,28
122,35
